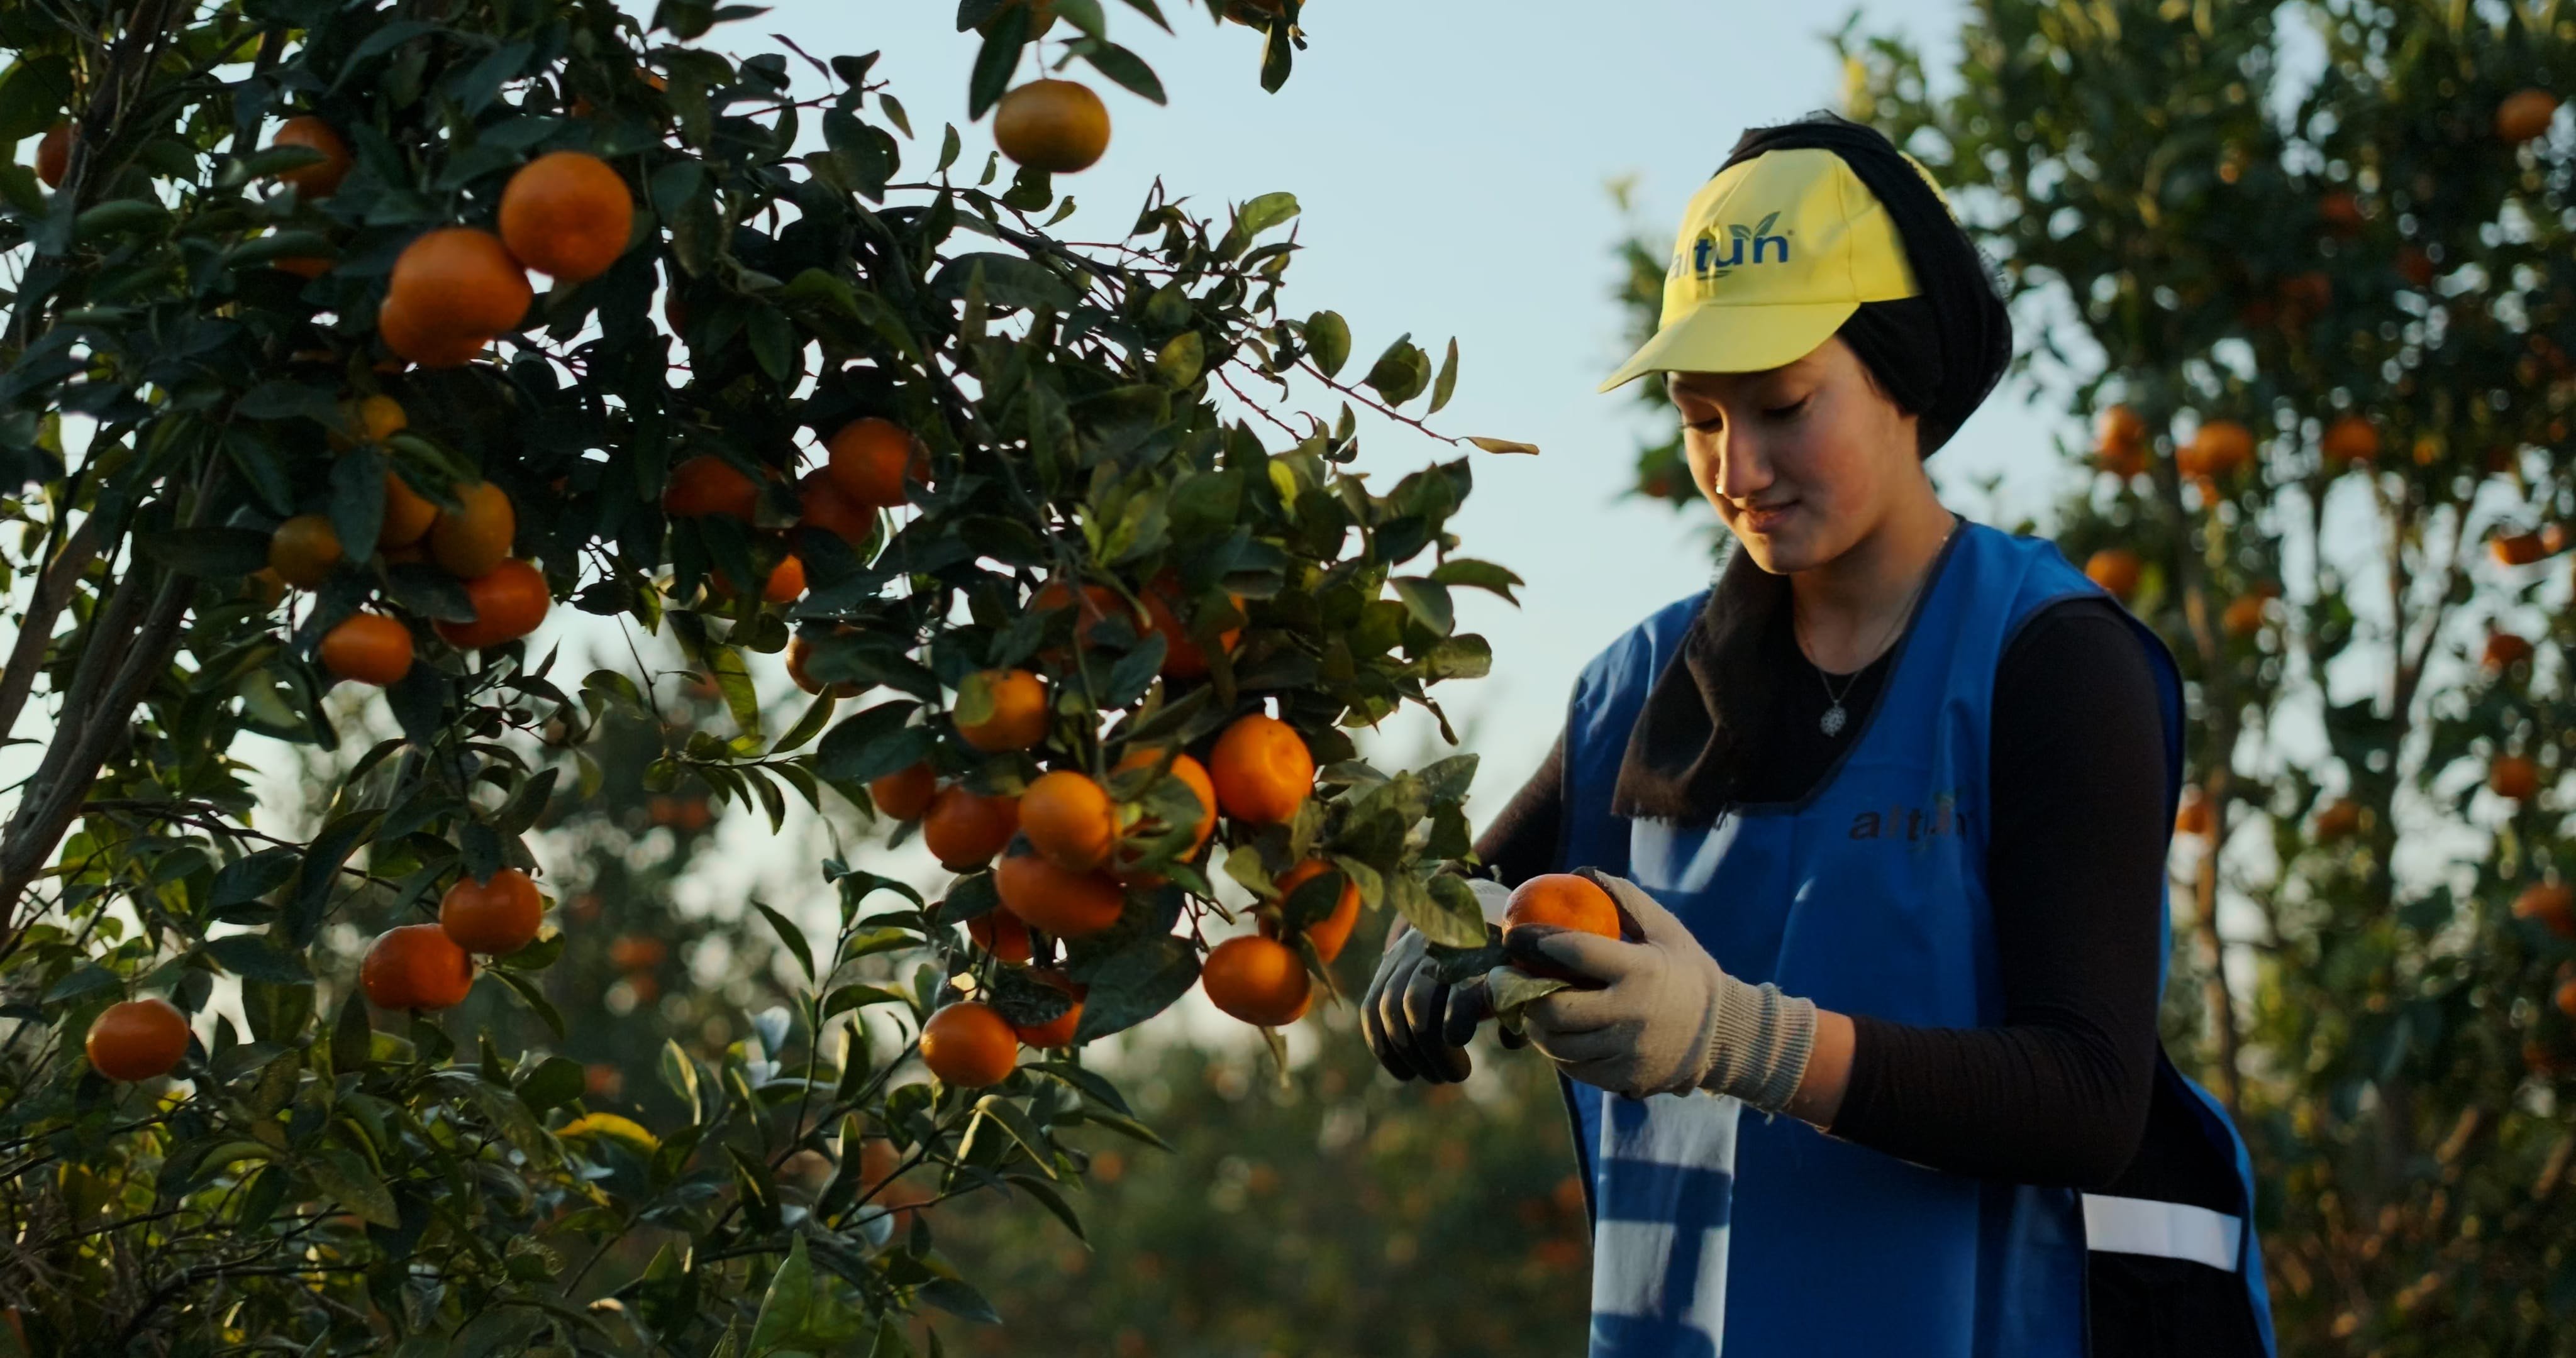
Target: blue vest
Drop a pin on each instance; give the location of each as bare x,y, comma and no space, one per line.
1868,898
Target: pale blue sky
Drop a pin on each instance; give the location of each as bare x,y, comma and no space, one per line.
1453,161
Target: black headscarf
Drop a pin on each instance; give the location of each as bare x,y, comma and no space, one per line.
1937,355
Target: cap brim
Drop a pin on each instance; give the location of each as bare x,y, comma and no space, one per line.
1736,339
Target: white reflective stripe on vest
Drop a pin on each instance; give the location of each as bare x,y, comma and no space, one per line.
2166,1230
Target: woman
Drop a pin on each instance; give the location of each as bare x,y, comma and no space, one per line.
1887,808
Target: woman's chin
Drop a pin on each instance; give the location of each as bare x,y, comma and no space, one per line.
1779,553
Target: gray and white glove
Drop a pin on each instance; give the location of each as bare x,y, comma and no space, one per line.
1418,1025
1667,1019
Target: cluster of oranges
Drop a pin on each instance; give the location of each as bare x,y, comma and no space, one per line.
470,542
1070,847
870,464
430,966
412,966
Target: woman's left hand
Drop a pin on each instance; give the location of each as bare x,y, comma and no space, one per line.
1647,1029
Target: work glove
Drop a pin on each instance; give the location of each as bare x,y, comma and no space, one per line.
1664,1018
1418,1025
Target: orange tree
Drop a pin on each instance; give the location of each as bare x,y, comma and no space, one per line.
2314,320
1010,498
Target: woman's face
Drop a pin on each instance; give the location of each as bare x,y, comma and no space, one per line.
1802,461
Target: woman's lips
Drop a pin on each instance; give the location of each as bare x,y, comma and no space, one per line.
1768,519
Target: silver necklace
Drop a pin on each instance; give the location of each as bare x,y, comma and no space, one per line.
1836,717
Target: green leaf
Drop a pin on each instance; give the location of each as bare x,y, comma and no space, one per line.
680,1076
1484,575
352,1037
1181,360
251,877
872,744
1328,341
207,553
358,500
1400,373
1428,602
809,723
789,934
995,60
346,1179
1446,916
1265,212
556,1081
34,95
1493,445
257,957
1447,381
1135,984
1123,66
534,998
959,1298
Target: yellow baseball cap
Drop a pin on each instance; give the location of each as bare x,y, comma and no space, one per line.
1774,254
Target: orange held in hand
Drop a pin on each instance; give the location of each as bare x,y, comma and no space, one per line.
1560,900
964,830
304,550
1332,931
416,966
497,917
905,793
1057,126
474,539
1262,770
137,1040
707,484
1070,820
1258,980
369,648
509,601
873,459
568,215
968,1045
1056,1032
319,180
1018,719
1065,904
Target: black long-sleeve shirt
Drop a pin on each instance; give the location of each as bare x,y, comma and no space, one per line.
2061,1092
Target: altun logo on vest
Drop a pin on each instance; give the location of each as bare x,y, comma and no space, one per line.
1706,260
1944,817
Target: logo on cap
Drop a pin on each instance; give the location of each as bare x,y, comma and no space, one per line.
1705,259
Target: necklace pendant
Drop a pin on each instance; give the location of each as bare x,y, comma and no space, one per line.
1832,722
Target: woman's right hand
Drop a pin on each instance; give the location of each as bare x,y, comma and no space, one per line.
1418,1025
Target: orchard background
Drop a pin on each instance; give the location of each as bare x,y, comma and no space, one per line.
2290,217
